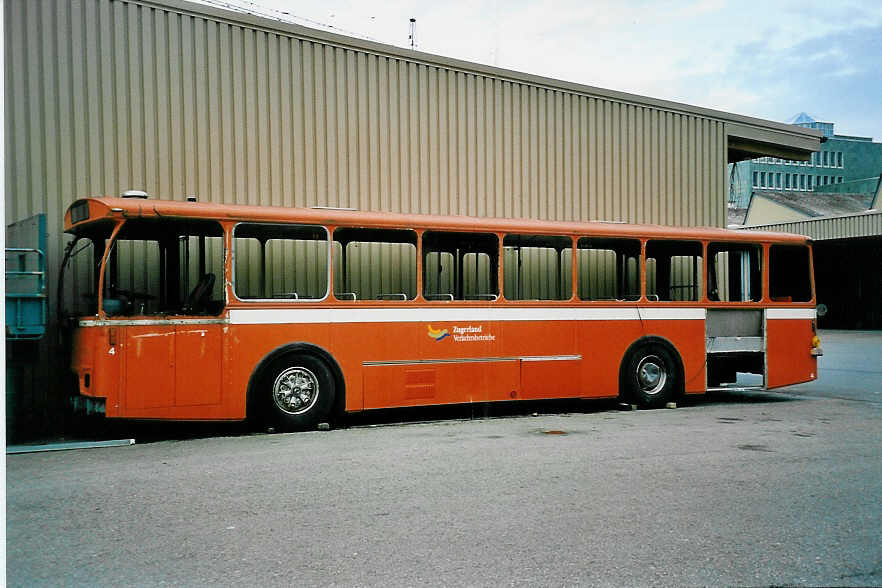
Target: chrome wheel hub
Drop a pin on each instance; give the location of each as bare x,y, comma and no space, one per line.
651,374
295,390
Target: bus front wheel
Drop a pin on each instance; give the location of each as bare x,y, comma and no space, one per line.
298,392
650,376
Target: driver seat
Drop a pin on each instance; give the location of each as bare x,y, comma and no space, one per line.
200,294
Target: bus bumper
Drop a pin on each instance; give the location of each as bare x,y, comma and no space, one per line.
86,405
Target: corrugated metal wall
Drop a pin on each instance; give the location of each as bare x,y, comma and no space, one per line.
107,95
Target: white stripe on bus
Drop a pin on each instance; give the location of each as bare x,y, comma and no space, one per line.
791,313
266,316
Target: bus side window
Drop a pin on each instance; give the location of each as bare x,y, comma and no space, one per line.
460,266
538,267
608,269
673,270
789,273
734,272
374,264
280,262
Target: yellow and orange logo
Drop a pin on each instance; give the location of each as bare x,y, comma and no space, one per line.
438,334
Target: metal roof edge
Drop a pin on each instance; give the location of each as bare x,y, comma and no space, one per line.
243,18
817,219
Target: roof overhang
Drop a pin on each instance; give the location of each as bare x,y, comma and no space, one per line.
783,141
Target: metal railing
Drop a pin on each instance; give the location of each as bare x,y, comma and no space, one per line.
26,308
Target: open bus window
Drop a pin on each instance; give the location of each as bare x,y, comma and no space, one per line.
280,262
374,264
165,266
538,267
79,295
608,269
789,273
673,270
734,272
460,266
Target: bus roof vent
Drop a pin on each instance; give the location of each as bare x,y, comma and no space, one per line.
134,194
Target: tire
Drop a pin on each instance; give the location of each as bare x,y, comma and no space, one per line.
651,377
296,392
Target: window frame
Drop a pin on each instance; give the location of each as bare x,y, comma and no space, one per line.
233,251
496,276
770,278
735,245
701,288
551,236
577,275
384,298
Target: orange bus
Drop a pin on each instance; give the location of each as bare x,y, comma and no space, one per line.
187,310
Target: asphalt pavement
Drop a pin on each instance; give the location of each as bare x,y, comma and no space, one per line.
777,488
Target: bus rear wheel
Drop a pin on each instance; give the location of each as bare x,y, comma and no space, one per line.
298,392
650,377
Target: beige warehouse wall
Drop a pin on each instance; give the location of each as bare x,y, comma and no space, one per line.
106,95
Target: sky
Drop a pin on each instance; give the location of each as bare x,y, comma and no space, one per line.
772,61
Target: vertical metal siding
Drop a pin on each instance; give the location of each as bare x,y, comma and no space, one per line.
867,224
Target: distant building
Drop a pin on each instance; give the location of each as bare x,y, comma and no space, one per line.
774,206
844,164
847,231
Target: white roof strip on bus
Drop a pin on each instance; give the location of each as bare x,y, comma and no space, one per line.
265,316
791,313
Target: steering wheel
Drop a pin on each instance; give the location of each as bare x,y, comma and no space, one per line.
132,294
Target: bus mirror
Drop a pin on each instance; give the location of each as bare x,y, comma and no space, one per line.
822,309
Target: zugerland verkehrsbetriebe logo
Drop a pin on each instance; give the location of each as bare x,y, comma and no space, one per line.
462,333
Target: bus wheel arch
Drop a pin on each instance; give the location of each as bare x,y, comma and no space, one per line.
301,362
651,373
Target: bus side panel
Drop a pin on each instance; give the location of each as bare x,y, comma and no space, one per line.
421,385
357,343
247,345
788,352
602,345
149,369
688,338
547,349
538,338
416,363
198,361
